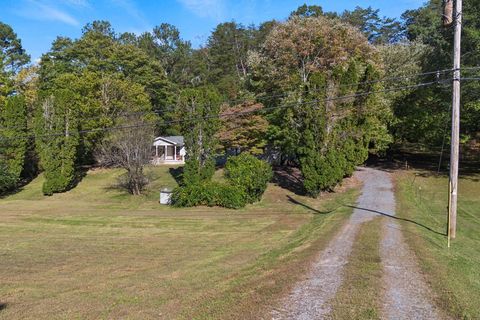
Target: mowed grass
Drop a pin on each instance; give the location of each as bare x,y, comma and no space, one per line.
96,252
453,273
359,296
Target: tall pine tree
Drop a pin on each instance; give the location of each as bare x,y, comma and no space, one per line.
200,109
58,139
13,140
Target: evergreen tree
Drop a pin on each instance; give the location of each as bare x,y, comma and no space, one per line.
421,114
309,59
13,139
199,109
58,139
12,58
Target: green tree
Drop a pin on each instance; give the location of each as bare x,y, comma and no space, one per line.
424,112
307,64
111,76
377,29
199,108
12,58
13,113
249,174
13,139
58,139
228,46
307,11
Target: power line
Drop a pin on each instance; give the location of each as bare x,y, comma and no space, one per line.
443,140
266,97
239,113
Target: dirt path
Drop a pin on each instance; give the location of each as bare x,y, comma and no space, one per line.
406,294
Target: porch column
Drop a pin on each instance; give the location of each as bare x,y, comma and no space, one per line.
156,151
174,152
164,152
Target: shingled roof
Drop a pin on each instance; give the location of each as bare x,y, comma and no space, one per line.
177,140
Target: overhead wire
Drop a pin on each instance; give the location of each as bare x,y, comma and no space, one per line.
220,116
267,97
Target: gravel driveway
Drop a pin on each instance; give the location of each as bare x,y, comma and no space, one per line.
406,295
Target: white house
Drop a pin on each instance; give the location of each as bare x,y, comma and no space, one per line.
168,150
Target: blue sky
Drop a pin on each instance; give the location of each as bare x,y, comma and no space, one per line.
39,22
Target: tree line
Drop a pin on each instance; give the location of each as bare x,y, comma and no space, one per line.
311,91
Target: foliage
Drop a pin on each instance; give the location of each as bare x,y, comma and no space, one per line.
210,194
7,180
291,74
12,58
423,113
310,61
243,128
247,179
111,76
250,174
13,136
378,30
199,108
58,139
307,11
322,172
165,45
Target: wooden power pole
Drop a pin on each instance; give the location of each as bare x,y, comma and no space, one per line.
454,153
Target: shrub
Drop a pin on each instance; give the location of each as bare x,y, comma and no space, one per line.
249,174
209,194
323,172
355,154
7,179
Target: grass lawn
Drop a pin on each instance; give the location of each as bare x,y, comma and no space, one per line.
453,273
359,296
96,252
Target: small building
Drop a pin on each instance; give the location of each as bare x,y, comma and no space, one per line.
168,150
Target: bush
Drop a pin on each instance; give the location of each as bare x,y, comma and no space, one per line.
356,153
249,174
7,180
323,172
209,194
56,183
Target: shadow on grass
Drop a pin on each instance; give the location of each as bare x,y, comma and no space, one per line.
80,174
9,193
316,211
3,306
177,174
18,188
398,218
306,206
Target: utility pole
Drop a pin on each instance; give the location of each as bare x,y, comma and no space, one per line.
454,153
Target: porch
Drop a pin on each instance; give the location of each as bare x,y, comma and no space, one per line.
167,154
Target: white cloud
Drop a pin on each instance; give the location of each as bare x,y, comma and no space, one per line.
206,8
43,11
77,3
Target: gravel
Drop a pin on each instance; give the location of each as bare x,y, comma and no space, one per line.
406,295
310,299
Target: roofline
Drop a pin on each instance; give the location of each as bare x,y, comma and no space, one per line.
164,139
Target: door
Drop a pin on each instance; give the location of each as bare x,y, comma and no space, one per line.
170,155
